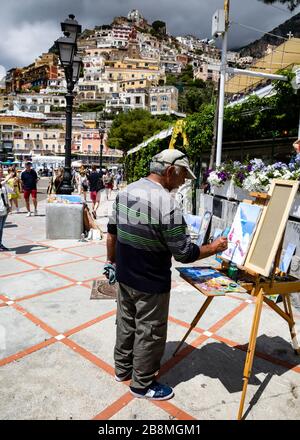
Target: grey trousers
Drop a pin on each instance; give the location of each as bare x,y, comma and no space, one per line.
142,322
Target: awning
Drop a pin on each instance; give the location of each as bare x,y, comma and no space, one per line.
161,135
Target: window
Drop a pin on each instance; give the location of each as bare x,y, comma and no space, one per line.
164,98
37,136
138,100
47,146
153,108
53,147
28,136
153,98
89,148
164,108
141,82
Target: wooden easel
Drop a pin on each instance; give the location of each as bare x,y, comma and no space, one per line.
259,287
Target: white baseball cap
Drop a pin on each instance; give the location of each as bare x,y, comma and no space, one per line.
174,157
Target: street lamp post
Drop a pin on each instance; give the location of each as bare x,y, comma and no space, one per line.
67,48
101,136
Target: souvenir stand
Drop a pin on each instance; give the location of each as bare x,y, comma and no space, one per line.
259,276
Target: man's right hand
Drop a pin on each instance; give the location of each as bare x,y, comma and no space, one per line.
219,245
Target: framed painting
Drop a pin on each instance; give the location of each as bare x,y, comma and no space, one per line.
271,226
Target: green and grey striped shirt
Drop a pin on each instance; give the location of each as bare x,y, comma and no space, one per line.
150,228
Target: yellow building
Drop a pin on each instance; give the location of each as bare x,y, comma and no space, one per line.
136,84
133,69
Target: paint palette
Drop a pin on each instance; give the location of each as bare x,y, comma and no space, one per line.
209,280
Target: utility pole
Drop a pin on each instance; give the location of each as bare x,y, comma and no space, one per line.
222,84
214,142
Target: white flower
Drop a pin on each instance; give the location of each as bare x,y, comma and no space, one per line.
213,179
256,182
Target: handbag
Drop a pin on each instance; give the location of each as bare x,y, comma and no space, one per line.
8,188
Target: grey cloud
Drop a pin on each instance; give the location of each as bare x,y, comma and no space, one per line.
182,17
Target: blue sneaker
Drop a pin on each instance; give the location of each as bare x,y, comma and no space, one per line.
156,391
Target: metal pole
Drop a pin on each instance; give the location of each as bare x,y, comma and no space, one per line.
299,128
214,142
67,187
256,74
101,151
221,99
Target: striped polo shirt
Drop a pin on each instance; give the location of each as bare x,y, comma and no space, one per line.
150,228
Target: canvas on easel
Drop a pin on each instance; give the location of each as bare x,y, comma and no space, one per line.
271,226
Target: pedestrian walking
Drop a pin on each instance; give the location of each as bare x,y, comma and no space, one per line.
56,181
84,184
108,181
4,210
146,229
14,184
96,185
118,179
29,180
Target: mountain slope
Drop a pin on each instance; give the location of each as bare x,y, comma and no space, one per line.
258,47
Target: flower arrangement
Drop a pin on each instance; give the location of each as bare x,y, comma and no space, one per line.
253,175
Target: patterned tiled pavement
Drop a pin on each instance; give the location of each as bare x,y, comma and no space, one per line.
56,345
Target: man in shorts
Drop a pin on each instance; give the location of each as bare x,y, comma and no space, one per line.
29,180
96,184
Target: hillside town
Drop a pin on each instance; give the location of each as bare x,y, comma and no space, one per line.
126,65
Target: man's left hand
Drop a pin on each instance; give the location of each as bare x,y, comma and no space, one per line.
110,272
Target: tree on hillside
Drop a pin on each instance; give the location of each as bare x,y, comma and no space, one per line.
131,128
291,4
192,92
159,27
193,98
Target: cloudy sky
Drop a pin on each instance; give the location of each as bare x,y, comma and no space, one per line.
29,27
